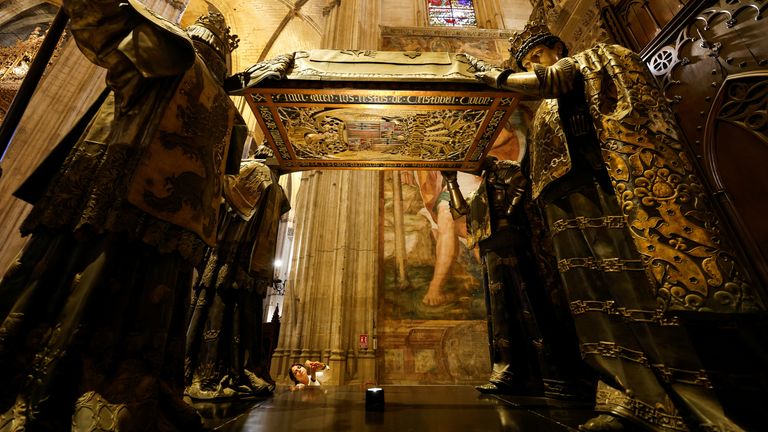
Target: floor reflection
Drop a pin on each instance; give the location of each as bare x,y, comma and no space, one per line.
407,408
218,413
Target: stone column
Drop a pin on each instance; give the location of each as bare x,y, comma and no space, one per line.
489,14
331,295
352,24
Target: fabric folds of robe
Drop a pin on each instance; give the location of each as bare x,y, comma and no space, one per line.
93,310
654,289
224,352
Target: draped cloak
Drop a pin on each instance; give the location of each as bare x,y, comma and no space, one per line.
640,252
92,332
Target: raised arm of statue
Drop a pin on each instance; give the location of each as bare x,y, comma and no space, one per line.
128,40
543,82
459,206
275,68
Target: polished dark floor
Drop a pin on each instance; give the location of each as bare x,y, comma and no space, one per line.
407,408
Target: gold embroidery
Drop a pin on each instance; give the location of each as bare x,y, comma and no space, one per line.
609,399
609,265
581,223
634,315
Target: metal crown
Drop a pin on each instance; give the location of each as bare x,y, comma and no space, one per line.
213,29
534,33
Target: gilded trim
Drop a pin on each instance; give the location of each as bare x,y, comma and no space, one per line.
612,400
581,223
579,307
609,265
614,350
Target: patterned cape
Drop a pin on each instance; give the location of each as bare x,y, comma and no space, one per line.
157,147
666,207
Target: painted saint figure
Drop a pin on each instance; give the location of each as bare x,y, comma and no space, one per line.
447,234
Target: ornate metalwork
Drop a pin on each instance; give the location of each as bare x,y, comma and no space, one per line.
330,109
666,206
606,265
614,350
664,62
732,13
609,399
631,315
581,222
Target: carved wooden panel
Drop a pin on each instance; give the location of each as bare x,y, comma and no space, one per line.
710,67
736,153
639,21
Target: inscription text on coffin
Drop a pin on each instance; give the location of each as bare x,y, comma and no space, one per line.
374,115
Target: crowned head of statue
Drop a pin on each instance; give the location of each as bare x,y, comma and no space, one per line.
536,44
214,43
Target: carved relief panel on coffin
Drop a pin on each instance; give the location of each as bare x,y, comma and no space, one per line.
328,109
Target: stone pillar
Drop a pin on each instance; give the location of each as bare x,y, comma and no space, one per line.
353,24
331,295
66,91
330,298
489,14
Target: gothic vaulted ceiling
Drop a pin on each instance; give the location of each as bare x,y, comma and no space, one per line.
270,27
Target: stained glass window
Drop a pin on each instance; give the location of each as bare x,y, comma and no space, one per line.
451,13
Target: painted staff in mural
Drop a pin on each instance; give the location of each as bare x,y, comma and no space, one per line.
634,234
93,309
223,355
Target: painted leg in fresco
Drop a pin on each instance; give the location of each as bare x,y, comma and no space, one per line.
445,256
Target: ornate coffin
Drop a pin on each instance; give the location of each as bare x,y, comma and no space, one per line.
327,109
